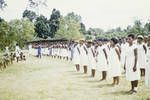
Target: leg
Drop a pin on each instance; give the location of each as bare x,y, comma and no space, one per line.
117,80
85,69
93,72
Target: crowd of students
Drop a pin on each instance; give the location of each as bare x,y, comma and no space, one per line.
110,57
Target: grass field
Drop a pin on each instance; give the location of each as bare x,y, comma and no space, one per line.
52,79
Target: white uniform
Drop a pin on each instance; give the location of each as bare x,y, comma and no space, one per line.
141,56
83,55
130,60
30,49
17,51
147,69
76,55
91,58
123,52
101,59
114,63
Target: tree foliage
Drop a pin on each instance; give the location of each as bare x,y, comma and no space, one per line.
29,15
3,4
68,29
22,30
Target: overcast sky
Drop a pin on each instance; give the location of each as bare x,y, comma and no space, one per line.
105,14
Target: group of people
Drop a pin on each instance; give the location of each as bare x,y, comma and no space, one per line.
109,57
112,58
57,50
17,55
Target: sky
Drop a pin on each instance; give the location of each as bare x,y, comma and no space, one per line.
105,14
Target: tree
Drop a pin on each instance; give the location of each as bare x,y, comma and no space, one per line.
82,28
3,4
23,30
36,4
147,28
4,33
42,27
54,22
74,16
68,29
30,15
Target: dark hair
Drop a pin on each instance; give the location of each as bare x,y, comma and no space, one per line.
115,41
131,35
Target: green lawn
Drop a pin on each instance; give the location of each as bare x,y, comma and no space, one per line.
52,79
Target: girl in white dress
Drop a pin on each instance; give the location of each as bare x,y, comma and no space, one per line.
141,54
91,58
114,62
76,56
83,56
102,61
18,51
123,52
147,69
132,71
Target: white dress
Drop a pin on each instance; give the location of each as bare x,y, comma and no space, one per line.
147,69
114,63
30,49
101,59
18,50
91,58
83,55
65,52
76,55
123,52
141,56
130,60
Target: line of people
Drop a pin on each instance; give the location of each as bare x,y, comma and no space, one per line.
130,55
110,57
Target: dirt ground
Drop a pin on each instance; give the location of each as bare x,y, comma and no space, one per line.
53,79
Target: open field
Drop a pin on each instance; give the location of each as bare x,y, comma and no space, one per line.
52,79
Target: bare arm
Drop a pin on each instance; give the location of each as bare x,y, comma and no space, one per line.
118,53
135,61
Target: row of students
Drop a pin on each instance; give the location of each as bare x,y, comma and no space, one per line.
109,57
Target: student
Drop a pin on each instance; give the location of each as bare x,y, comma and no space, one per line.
132,71
141,54
114,61
102,61
7,51
76,56
91,58
83,55
147,69
18,51
39,51
29,49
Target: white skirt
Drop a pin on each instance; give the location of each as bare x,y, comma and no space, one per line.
147,75
84,60
101,64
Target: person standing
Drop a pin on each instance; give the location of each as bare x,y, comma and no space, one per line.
39,51
114,62
131,62
147,69
76,56
102,60
141,54
17,51
91,57
83,56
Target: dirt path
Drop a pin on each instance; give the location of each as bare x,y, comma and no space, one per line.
52,79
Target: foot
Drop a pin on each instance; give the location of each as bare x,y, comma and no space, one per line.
133,92
101,79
